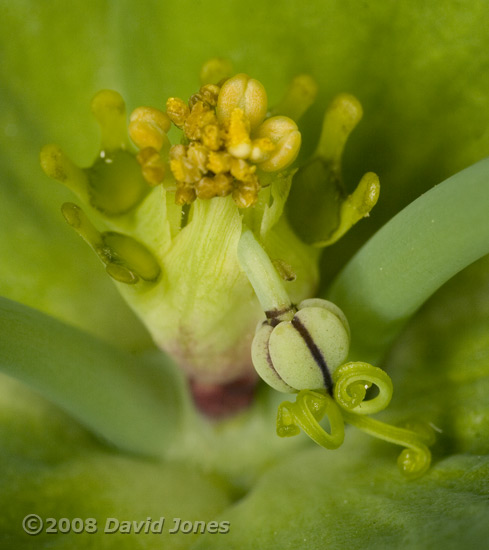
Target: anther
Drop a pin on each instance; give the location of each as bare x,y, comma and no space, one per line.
238,141
152,165
210,94
261,149
244,93
200,116
148,128
219,162
212,137
286,138
184,194
177,110
246,192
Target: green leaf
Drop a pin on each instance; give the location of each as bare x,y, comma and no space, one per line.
132,403
421,72
352,498
411,257
52,467
440,365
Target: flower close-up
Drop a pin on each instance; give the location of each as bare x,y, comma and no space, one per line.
244,283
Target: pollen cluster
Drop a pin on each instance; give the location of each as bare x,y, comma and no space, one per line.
226,140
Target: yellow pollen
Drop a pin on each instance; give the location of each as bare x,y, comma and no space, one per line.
238,140
261,149
148,127
152,165
223,142
185,194
242,171
212,137
177,110
246,194
219,162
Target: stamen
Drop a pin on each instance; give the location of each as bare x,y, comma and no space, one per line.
246,192
218,125
286,138
148,128
238,141
201,115
177,110
261,149
219,162
212,137
208,94
244,93
185,194
242,171
152,165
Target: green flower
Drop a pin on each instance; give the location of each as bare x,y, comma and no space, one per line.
420,75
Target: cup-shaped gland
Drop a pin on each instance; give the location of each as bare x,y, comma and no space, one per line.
303,351
282,132
245,93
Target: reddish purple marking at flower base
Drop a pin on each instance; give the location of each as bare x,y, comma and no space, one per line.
222,400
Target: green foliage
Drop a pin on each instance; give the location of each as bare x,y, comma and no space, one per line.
421,72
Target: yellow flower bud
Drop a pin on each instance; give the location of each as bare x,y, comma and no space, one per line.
285,136
244,93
